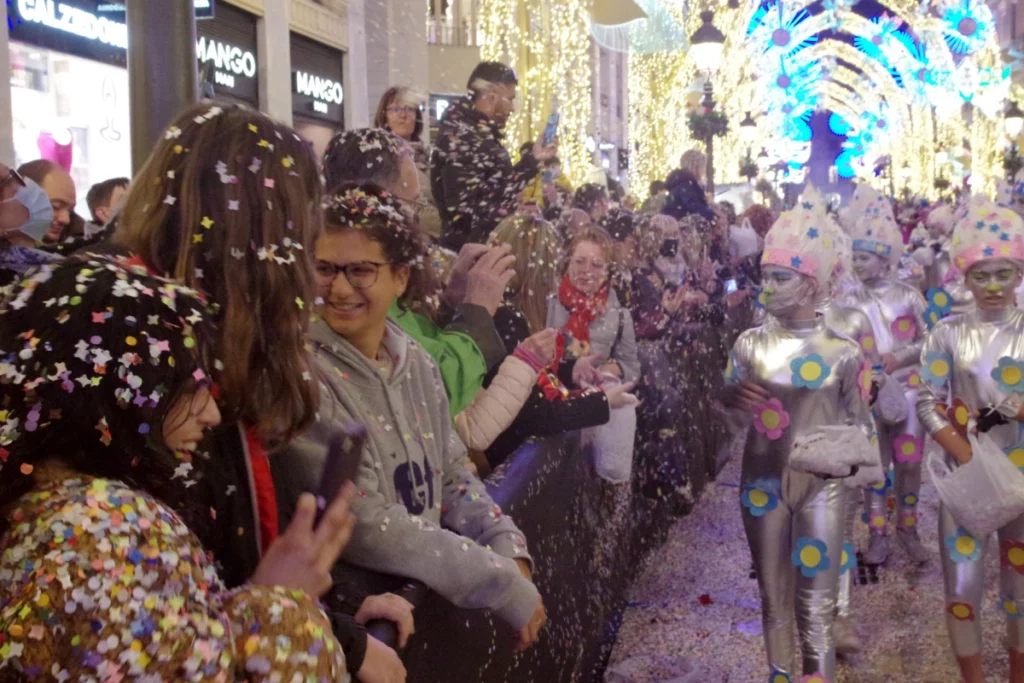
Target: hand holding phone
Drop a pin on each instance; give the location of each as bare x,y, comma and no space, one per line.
341,464
551,131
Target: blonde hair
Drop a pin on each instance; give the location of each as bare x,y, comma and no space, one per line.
695,163
538,250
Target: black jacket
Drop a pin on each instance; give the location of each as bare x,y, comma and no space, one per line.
539,415
685,197
472,177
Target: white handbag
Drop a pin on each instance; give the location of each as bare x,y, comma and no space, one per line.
892,403
985,494
833,450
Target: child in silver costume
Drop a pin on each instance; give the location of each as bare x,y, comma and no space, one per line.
795,376
978,357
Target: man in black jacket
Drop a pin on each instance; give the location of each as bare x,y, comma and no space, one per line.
471,175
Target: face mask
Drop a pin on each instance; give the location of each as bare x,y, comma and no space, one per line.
669,248
40,212
786,293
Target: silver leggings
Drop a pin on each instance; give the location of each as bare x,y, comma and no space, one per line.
963,569
906,472
849,555
786,544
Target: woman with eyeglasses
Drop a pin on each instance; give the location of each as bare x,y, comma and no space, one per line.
412,480
977,357
401,112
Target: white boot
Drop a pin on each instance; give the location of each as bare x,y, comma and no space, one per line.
845,636
878,550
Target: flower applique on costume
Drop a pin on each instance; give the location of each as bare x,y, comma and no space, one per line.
907,448
811,555
1012,555
779,677
904,328
848,558
963,547
814,678
961,611
1009,375
937,368
761,496
1009,607
810,371
1016,455
770,419
865,380
939,300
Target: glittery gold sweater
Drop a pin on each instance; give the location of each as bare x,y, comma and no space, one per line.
101,582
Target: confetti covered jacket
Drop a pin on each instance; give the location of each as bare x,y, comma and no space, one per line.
472,177
421,513
102,582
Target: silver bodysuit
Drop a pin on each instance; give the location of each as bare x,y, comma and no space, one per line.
794,520
896,312
977,357
851,323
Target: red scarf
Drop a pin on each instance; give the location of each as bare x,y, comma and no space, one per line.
583,309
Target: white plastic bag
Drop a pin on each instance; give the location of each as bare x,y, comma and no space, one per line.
892,402
612,445
983,495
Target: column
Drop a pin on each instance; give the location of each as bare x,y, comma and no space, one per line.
6,115
275,54
357,101
162,50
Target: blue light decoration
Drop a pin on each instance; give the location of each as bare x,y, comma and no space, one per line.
877,43
967,26
838,125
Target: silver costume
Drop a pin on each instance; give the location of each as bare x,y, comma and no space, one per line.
853,324
896,312
793,520
959,360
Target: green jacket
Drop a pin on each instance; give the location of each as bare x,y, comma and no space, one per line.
460,360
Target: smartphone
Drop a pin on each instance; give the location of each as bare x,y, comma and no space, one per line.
344,453
552,129
731,286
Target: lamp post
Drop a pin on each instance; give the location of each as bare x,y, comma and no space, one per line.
1013,122
748,133
706,46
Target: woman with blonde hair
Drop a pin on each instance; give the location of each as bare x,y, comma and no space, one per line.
552,408
686,188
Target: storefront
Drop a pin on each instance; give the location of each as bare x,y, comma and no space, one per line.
69,79
318,98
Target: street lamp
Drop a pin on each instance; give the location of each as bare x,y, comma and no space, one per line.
706,46
748,133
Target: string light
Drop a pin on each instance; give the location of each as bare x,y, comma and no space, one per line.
546,46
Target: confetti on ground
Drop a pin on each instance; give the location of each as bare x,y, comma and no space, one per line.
900,618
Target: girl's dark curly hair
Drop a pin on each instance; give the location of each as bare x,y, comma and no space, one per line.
381,217
93,354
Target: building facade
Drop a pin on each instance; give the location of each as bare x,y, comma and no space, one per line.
299,61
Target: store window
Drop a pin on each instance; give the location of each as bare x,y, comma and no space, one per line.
318,96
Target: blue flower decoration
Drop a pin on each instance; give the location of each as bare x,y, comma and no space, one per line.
883,488
812,233
1004,237
940,299
936,368
963,547
1010,607
932,316
796,262
1009,375
731,374
758,299
849,558
909,500
988,251
809,371
811,555
760,496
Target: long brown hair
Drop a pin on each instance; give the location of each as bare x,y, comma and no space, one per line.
538,250
229,203
398,94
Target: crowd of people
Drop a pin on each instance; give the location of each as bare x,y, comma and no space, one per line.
178,373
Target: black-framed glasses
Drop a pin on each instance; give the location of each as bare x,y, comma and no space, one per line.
398,109
361,275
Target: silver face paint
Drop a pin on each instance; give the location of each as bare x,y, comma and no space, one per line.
869,266
994,284
786,291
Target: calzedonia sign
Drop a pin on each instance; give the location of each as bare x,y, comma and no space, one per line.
96,30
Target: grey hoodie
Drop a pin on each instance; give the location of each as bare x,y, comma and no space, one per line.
412,480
